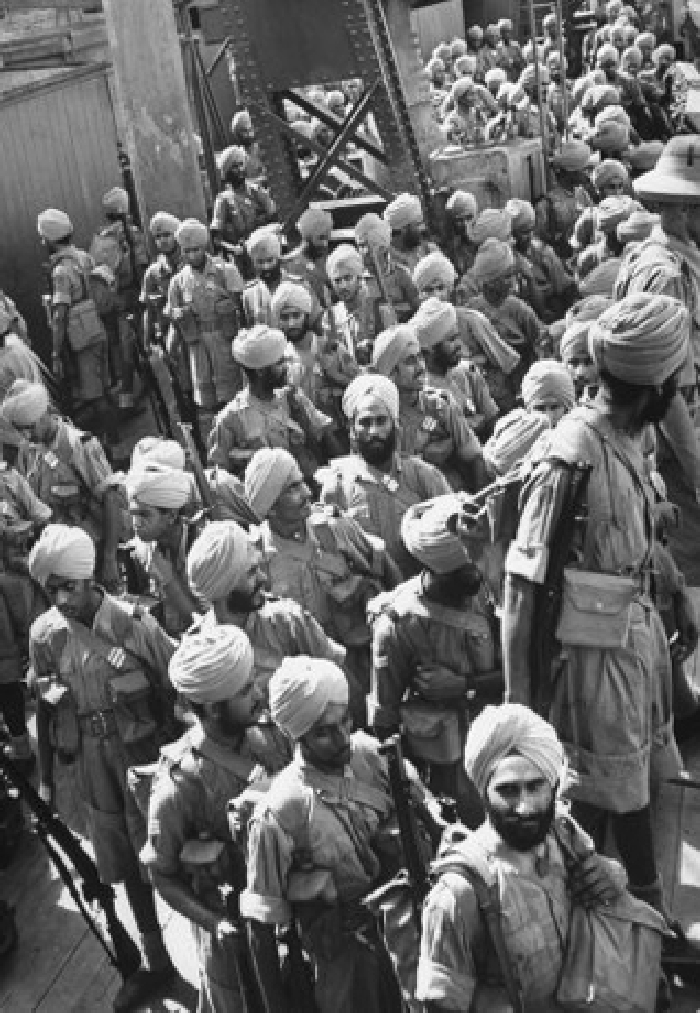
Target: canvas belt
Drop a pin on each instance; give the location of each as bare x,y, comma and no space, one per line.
100,724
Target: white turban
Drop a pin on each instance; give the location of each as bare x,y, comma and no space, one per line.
493,261
344,258
511,728
155,450
548,380
491,224
301,689
268,474
233,155
212,665
429,535
392,346
371,386
642,339
462,203
406,209
116,201
434,322
259,347
64,552
522,213
291,295
218,559
191,234
314,223
155,485
163,224
435,267
25,403
264,242
54,225
373,230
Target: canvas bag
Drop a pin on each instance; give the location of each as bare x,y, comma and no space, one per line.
595,609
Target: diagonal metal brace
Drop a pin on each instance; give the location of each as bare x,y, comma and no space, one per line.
334,122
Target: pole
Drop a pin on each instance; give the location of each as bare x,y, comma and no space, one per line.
538,86
558,4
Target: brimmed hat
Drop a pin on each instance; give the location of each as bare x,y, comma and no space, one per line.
676,176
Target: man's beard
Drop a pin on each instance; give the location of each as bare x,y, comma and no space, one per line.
656,411
412,239
296,335
519,833
238,602
444,359
376,451
272,276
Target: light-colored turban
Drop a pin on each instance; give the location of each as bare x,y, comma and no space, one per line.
371,386
269,472
492,223
614,113
163,224
666,51
155,485
315,222
259,346
528,75
549,20
522,214
241,121
233,155
429,536
218,559
344,259
613,8
434,322
212,665
443,51
610,136
462,86
192,234
475,33
511,728
116,201
574,341
392,346
610,170
462,203
643,157
155,450
607,54
588,309
406,209
613,210
433,268
646,40
465,66
638,227
642,339
335,98
25,403
505,24
548,380
495,77
373,231
300,691
632,57
435,64
63,551
573,157
290,295
264,243
493,261
601,280
54,225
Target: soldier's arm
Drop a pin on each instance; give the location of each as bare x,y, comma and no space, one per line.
41,667
393,665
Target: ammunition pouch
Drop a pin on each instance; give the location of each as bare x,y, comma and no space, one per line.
595,609
64,723
131,701
432,732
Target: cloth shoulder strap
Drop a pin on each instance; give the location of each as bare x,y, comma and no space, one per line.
70,258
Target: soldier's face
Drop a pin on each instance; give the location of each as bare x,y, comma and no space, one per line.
293,504
70,597
413,234
523,239
165,242
249,594
267,268
463,223
552,409
409,374
583,370
327,745
438,288
245,136
236,173
194,255
374,432
447,353
318,245
346,285
39,431
293,323
520,803
150,523
614,188
241,711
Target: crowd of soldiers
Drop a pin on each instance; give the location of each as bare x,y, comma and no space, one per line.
404,440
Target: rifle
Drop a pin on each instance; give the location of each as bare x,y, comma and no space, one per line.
416,868
384,292
64,847
246,517
544,646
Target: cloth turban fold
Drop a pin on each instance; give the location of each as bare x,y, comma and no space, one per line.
511,728
344,259
573,157
152,484
192,233
646,40
610,170
613,210
315,222
406,209
291,295
269,472
522,214
493,261
259,346
264,242
644,157
64,552
588,309
574,342
427,533
233,155
462,203
163,224
373,231
607,54
392,346
490,224
218,559
436,267
466,65
638,227
434,322
642,339
156,450
241,121
116,201
25,403
212,665
528,76
548,380
54,225
300,691
495,77
610,136
371,386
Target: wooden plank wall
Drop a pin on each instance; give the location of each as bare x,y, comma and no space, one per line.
439,23
59,150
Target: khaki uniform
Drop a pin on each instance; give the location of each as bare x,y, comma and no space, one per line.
312,273
552,289
399,287
409,258
436,425
100,738
467,386
257,301
237,213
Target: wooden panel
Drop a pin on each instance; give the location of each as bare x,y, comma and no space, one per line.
439,23
59,150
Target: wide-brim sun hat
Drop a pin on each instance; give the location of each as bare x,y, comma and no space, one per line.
676,176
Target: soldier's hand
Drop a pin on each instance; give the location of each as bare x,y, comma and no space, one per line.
596,880
57,367
45,792
437,682
225,930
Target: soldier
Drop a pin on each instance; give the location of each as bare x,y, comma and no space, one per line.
308,261
96,663
510,55
267,413
79,340
461,210
358,315
388,280
158,495
225,571
192,860
543,280
405,217
242,134
240,208
203,310
67,470
318,843
610,704
265,251
121,247
556,213
439,336
432,426
375,484
156,280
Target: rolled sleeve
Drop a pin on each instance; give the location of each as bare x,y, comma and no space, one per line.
61,293
167,828
269,860
540,508
446,972
392,667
